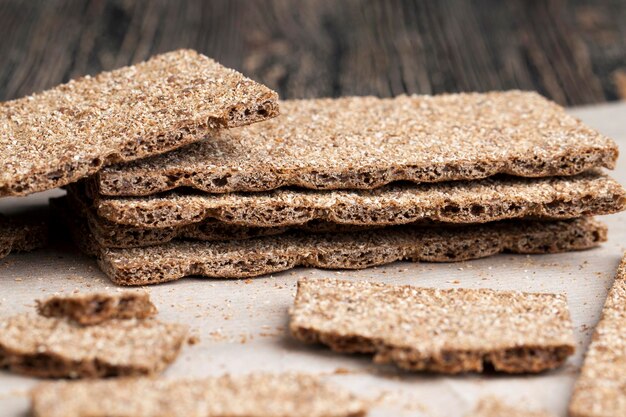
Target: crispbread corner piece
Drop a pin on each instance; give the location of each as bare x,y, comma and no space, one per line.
600,390
98,307
253,395
426,329
58,136
59,348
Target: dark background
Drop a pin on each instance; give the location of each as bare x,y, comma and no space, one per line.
571,51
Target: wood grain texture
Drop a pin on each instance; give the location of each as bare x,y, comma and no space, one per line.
572,52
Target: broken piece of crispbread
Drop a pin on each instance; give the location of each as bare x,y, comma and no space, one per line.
98,307
492,407
59,348
66,133
600,390
356,250
366,142
427,329
253,395
590,193
23,233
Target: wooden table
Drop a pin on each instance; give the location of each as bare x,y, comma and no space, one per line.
241,323
571,51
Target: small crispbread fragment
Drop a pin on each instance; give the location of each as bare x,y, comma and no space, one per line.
66,133
427,329
358,250
492,407
590,193
366,142
59,348
600,390
252,395
97,307
23,233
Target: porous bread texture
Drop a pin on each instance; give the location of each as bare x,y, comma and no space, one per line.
493,407
112,235
600,390
23,233
251,395
98,307
366,142
357,250
59,348
66,133
491,199
425,329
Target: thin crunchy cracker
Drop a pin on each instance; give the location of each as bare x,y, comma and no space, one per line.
113,235
66,133
600,390
356,250
365,142
59,348
590,193
23,233
493,407
98,307
252,395
426,329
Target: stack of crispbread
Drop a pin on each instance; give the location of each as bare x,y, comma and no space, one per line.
351,183
184,181
64,134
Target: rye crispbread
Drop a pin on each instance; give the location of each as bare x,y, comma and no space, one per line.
59,348
426,329
600,390
113,235
23,233
356,250
55,137
486,200
365,142
98,307
252,395
492,407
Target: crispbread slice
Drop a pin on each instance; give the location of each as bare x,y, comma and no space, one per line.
113,235
491,199
365,142
58,348
253,395
60,135
23,233
492,407
600,390
253,257
426,329
98,307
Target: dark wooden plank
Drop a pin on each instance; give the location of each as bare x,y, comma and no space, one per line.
571,51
